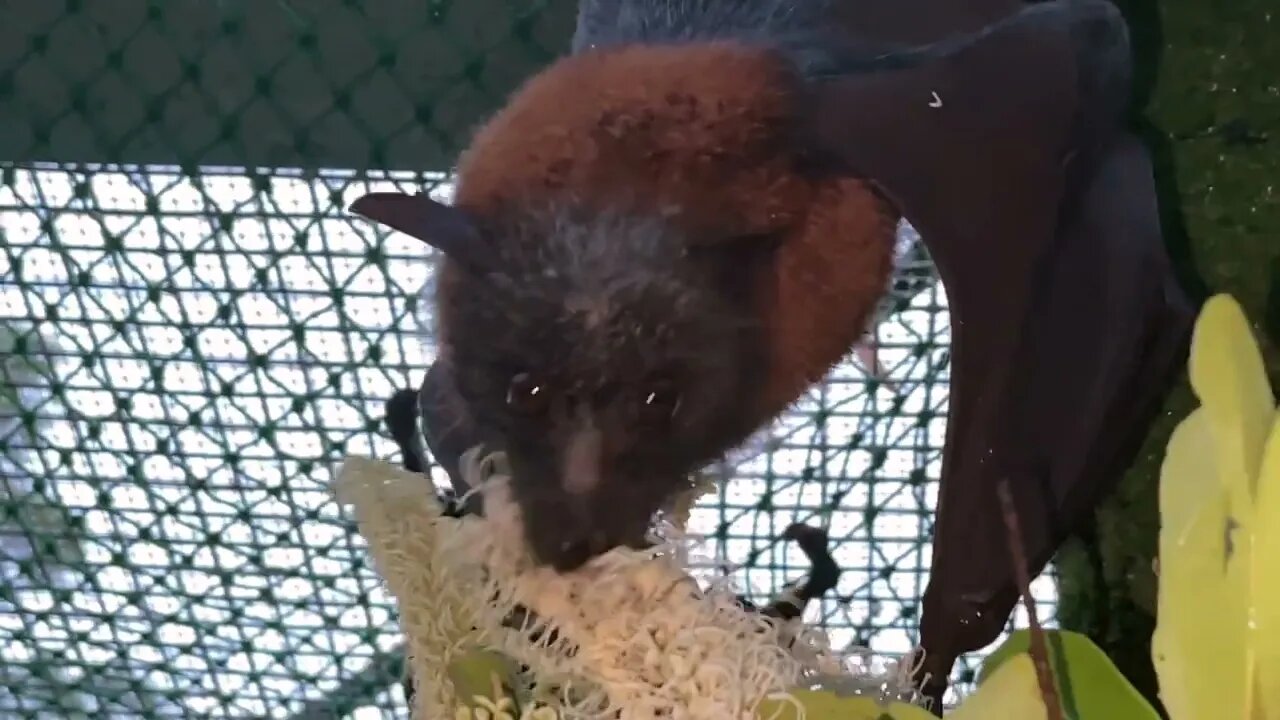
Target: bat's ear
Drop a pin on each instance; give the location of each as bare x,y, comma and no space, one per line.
446,228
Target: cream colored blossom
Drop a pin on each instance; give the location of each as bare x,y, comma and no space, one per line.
635,636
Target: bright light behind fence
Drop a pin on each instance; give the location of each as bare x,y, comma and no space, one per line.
216,343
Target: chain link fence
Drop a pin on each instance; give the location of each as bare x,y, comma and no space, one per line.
192,331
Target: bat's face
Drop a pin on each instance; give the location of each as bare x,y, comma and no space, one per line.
609,364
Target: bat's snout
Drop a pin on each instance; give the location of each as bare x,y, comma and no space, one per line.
571,553
568,539
567,530
582,504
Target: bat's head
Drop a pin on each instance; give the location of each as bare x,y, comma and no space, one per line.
607,358
639,274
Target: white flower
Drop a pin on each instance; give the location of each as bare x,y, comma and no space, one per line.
635,634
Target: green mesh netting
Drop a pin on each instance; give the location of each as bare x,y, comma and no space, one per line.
192,330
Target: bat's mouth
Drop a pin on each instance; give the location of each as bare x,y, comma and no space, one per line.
561,530
573,553
568,541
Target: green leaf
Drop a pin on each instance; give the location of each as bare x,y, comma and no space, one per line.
1088,682
1011,693
824,705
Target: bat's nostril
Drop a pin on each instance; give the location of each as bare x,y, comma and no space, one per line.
571,555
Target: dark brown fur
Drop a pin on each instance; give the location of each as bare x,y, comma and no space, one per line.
700,134
644,264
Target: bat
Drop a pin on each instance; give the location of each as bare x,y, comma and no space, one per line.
609,334
667,236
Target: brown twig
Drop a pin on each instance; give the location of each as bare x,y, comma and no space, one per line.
1039,649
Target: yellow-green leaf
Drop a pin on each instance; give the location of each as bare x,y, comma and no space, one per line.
1229,377
1086,679
1204,648
1266,578
1200,639
1011,691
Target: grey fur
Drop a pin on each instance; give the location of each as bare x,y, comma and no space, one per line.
604,283
610,22
602,309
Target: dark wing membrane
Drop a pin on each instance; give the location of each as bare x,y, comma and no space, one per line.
1006,151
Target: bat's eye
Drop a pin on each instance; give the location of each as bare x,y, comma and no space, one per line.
526,394
659,401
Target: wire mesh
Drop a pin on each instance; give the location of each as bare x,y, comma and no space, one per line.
186,348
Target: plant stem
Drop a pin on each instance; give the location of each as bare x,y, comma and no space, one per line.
1039,650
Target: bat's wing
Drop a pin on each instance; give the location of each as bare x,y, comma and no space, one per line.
1006,151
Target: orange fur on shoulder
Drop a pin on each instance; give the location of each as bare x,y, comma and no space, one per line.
828,276
700,134
692,132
